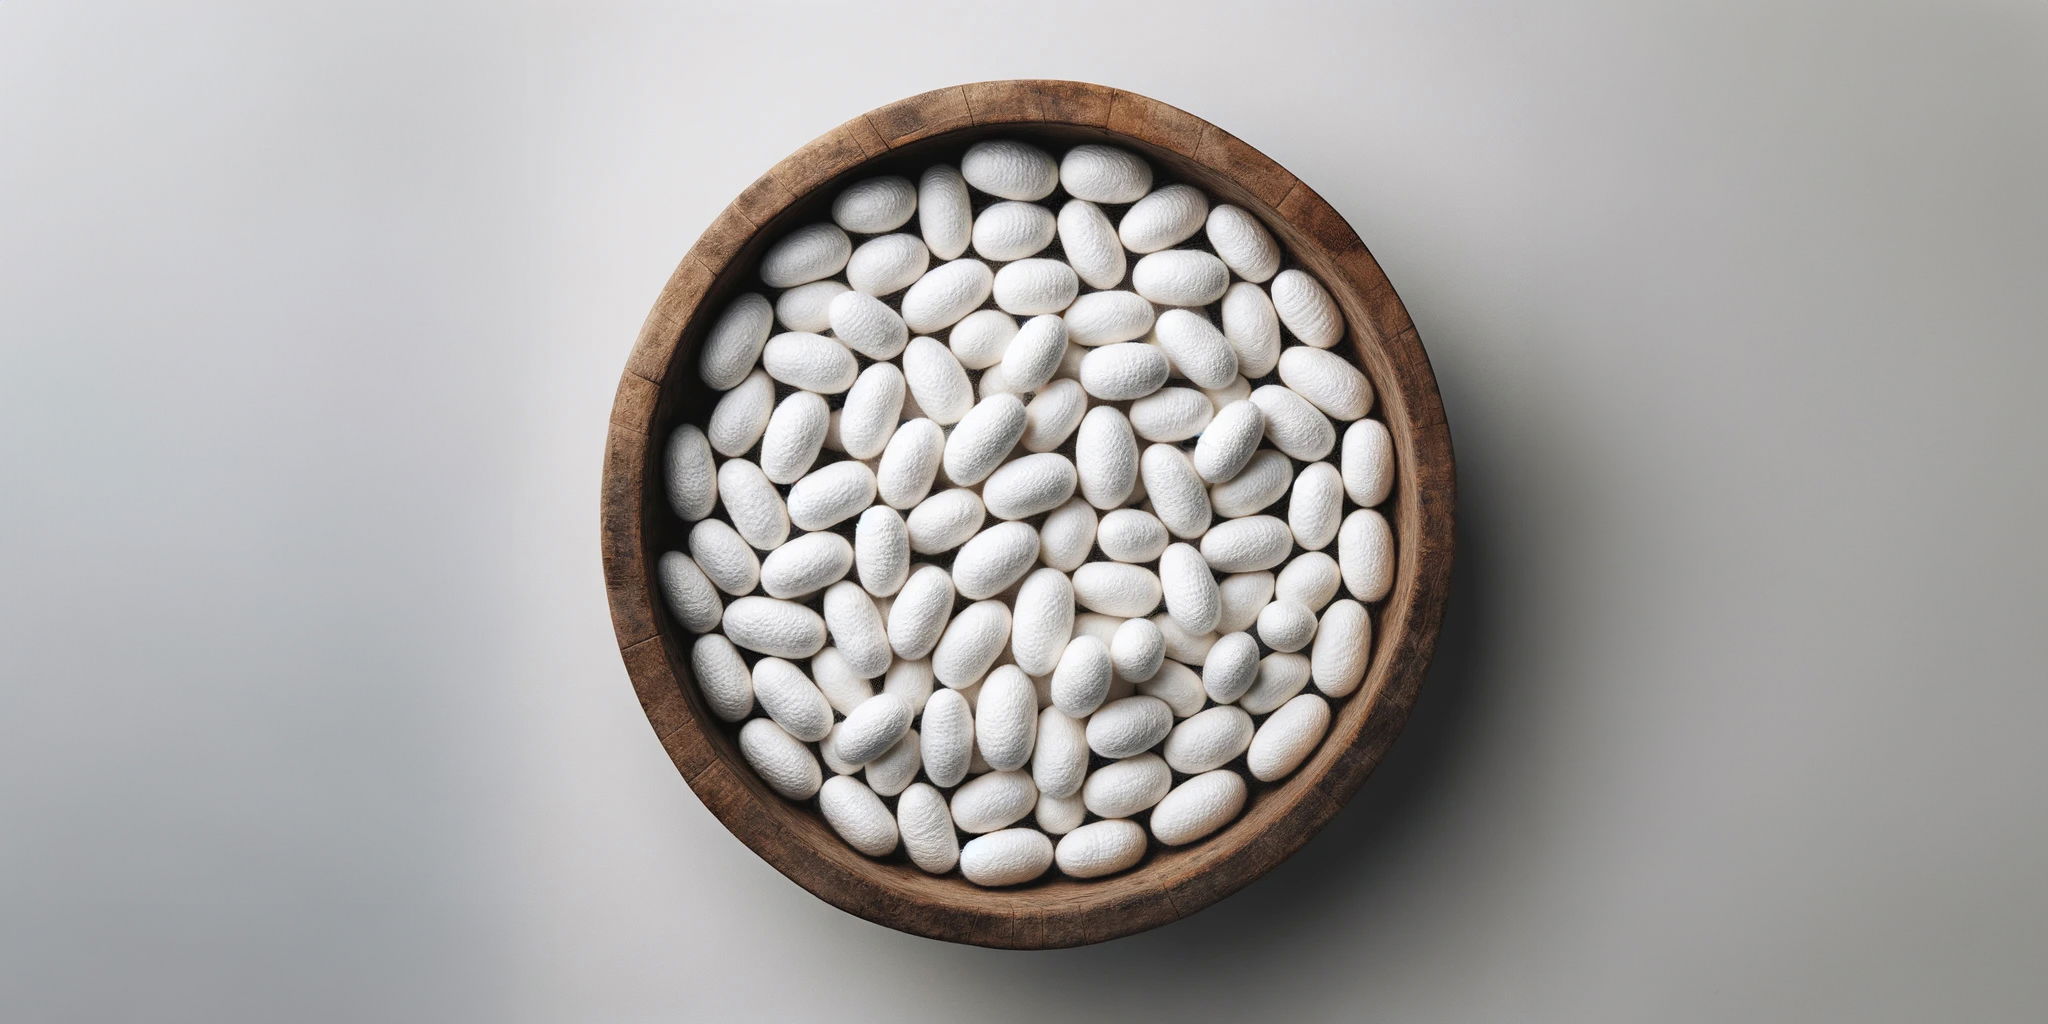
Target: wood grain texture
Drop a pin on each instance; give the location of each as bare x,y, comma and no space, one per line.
659,388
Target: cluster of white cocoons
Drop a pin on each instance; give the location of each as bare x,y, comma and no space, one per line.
1033,520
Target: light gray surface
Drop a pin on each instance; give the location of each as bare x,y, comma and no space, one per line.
311,317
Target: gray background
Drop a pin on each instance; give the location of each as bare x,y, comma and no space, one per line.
312,316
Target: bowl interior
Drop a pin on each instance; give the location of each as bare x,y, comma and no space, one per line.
1279,817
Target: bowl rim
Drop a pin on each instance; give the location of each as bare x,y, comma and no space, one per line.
1171,884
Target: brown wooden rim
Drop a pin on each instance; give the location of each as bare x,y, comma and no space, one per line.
659,380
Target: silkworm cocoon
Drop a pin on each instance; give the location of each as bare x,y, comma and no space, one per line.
1280,677
1067,536
1113,588
1101,848
1034,354
873,727
889,264
945,521
1081,680
807,254
1244,596
1025,487
856,627
872,410
1171,414
1242,243
1105,174
912,680
805,565
741,416
1230,441
752,502
994,559
789,697
795,433
1293,425
690,595
926,824
910,463
1232,667
1123,371
980,337
724,558
881,545
811,362
1137,650
1051,416
867,325
781,760
1101,627
1131,535
692,485
945,214
828,752
874,205
1327,381
937,381
1012,231
843,688
1316,506
1181,645
1252,328
1288,737
1105,318
920,612
1306,309
1264,478
1180,277
1010,857
993,801
733,345
1090,244
971,643
1178,497
1209,740
831,494
1009,169
1365,553
807,307
1250,544
1059,815
1129,726
1237,390
947,738
1198,807
946,293
1287,626
1343,646
1006,723
983,437
1059,761
1043,621
1189,588
1106,457
896,769
1197,350
1164,218
1368,461
1311,578
1177,685
1126,787
722,677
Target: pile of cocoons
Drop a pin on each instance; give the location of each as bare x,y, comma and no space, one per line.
1033,520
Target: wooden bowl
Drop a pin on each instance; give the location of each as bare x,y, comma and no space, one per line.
659,389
